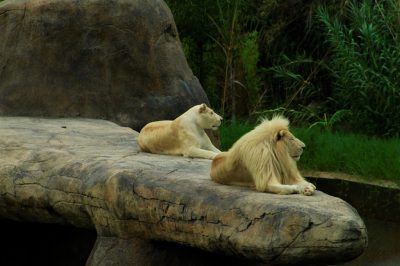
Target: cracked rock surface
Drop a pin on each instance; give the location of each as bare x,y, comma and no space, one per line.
90,173
118,60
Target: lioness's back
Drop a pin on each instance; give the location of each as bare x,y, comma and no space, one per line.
158,137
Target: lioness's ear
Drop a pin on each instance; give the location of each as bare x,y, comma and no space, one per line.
203,108
280,135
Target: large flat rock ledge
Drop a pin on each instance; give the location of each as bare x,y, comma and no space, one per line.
90,174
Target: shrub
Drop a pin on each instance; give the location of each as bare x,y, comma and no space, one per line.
365,55
250,56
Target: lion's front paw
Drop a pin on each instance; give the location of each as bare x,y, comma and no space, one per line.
307,189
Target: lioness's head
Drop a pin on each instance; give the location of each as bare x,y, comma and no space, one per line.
207,118
293,146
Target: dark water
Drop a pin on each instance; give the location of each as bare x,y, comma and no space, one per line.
380,209
383,246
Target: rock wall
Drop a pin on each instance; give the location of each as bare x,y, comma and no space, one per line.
119,60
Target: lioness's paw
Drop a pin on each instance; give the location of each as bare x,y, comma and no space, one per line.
307,189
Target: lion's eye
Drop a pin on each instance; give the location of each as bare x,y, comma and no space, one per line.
212,113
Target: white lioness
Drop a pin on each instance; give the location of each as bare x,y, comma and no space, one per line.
183,136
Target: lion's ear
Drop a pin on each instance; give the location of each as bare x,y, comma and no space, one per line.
203,108
280,135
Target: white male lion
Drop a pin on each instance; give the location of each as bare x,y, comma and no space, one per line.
265,157
183,136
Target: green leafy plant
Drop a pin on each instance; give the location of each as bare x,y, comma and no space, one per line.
296,78
221,44
327,123
300,116
365,55
250,57
228,28
297,90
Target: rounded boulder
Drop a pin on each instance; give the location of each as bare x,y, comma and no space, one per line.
119,60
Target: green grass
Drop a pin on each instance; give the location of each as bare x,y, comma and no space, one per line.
230,133
367,157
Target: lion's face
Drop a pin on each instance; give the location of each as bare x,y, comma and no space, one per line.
207,118
293,145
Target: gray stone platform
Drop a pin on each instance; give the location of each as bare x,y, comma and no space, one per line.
90,174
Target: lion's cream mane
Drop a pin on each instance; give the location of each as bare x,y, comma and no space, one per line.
265,157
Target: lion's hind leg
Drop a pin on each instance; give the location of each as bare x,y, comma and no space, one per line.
195,152
219,171
225,171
